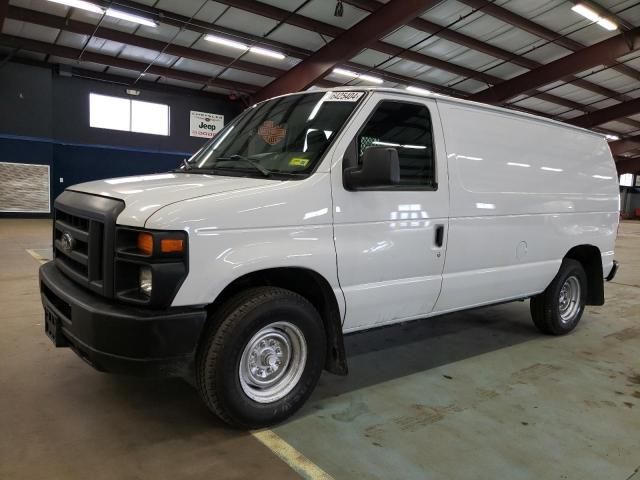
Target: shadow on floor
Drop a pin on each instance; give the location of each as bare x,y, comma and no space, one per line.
387,353
375,356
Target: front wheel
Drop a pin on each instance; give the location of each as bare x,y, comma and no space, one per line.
558,309
262,357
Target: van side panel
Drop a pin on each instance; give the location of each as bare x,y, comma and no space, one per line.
523,192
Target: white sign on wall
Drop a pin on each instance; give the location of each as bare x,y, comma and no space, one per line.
204,124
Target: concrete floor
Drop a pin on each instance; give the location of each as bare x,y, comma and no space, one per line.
472,395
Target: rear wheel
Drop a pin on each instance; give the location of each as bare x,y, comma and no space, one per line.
558,309
262,357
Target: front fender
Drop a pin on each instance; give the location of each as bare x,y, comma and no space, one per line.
218,258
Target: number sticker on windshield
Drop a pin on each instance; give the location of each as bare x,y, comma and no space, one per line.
343,96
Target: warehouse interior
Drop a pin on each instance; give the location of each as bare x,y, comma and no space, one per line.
99,89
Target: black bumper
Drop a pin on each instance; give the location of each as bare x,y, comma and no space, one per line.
117,338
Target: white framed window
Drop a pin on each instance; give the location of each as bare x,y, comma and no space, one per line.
626,180
115,113
109,112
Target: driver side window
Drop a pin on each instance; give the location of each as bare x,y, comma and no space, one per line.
407,128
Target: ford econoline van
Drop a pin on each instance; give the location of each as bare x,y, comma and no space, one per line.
317,214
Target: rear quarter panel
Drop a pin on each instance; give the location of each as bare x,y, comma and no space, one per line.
524,191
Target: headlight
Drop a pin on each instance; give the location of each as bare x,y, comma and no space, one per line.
146,283
150,265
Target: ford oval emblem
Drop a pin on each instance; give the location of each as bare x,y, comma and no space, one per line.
68,242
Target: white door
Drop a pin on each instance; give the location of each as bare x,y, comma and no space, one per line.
391,241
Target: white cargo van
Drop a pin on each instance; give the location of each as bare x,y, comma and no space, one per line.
317,214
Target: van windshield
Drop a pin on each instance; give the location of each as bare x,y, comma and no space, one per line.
285,136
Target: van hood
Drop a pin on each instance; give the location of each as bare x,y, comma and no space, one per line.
146,194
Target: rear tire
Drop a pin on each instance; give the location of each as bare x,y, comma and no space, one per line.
261,358
558,309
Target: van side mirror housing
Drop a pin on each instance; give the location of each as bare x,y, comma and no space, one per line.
380,168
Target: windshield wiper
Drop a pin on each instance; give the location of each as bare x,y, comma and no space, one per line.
253,163
187,165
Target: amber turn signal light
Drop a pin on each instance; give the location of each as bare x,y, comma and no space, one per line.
169,245
145,243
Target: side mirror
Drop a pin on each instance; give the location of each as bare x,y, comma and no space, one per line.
380,167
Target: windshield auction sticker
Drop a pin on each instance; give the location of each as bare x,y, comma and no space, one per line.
271,133
205,125
343,96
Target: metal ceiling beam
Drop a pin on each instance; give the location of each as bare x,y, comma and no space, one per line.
72,54
113,79
82,28
628,165
322,28
488,49
179,21
456,37
198,26
74,26
603,12
608,114
393,15
4,6
602,53
278,14
625,145
538,30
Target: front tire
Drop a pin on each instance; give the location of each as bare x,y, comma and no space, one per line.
558,309
261,358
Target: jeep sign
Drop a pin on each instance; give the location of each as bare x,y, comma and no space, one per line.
204,124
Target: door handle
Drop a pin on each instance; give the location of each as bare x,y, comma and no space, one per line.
439,235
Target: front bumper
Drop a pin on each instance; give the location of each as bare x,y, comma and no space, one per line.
118,338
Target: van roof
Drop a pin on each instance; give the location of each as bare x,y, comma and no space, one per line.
447,98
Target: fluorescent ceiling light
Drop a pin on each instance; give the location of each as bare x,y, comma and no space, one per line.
551,169
516,164
586,12
420,91
607,24
241,46
592,15
226,42
364,77
81,4
369,78
612,137
346,73
112,12
266,52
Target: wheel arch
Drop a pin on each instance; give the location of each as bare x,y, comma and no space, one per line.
590,258
311,285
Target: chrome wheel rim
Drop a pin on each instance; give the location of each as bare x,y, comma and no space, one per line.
569,300
272,362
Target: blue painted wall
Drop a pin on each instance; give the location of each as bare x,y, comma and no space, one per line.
44,119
